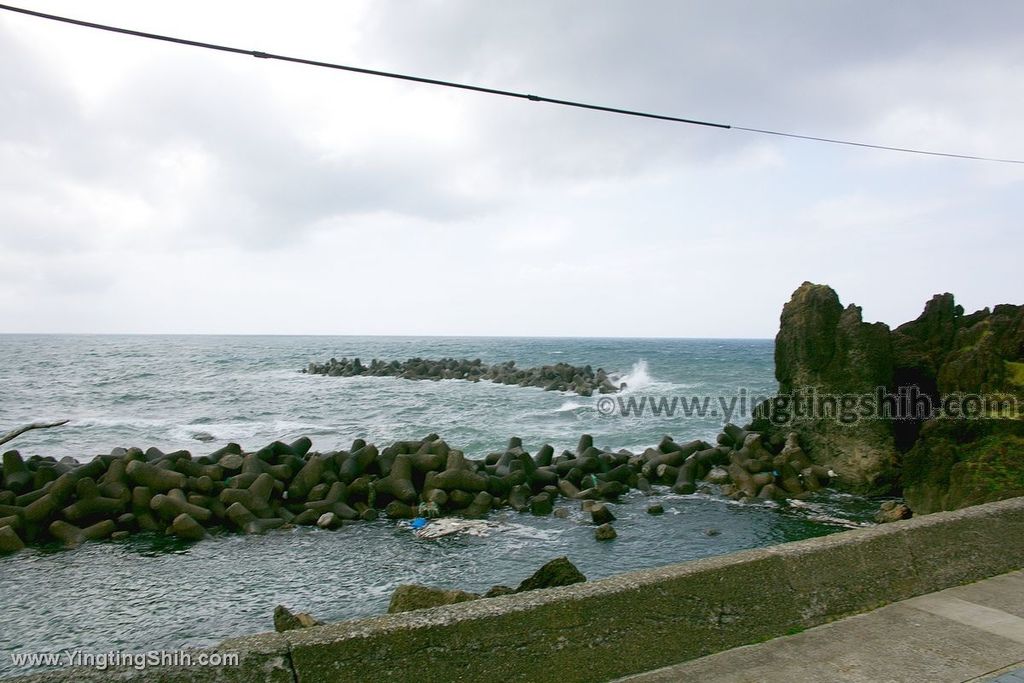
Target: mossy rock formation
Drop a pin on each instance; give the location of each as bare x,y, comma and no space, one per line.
938,462
956,463
823,346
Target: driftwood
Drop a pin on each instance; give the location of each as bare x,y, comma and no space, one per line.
14,433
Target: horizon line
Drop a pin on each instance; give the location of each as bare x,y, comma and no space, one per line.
329,334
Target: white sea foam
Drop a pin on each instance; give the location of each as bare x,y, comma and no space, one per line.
116,421
638,377
247,431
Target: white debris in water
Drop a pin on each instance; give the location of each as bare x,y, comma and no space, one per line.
449,525
838,521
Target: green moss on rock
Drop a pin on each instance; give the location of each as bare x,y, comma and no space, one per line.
957,463
1015,373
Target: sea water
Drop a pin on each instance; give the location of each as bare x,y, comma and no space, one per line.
151,592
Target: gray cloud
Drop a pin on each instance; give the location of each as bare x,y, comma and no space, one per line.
263,184
537,219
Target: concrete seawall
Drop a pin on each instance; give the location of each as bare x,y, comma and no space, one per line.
632,622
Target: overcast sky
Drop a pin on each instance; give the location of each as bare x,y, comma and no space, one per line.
154,188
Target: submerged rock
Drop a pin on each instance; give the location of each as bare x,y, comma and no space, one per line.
286,620
605,532
600,514
558,572
411,596
892,511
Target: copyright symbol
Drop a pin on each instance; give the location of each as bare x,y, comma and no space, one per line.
606,405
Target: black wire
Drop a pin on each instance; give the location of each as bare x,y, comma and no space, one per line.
482,89
870,146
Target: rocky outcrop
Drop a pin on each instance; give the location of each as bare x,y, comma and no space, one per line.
582,380
922,345
987,354
951,463
824,345
952,352
824,349
940,463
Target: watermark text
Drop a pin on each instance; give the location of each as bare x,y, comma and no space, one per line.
906,403
117,658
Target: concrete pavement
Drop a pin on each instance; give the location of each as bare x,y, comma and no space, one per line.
968,633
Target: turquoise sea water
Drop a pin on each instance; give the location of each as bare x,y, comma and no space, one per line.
150,592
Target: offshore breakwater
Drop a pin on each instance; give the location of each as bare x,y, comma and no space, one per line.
129,490
582,380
